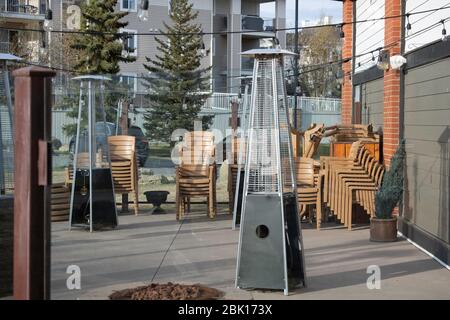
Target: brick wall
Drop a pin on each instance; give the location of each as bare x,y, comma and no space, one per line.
347,51
392,36
391,115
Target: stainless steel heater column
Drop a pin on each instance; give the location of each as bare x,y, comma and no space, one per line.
270,252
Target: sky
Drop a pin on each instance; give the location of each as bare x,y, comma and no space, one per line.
308,10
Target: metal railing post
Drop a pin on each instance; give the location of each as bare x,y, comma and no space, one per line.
32,193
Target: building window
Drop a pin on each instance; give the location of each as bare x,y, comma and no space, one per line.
131,42
130,79
128,5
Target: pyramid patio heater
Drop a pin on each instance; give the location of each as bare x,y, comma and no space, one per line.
242,134
92,201
6,126
270,252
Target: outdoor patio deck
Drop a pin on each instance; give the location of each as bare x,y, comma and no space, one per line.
200,250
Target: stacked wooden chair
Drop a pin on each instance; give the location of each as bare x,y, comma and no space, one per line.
307,141
328,163
196,172
309,191
351,180
124,167
60,203
311,140
359,186
82,163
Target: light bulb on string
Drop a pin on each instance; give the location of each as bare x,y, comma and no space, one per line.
203,51
408,25
341,32
48,22
444,31
143,12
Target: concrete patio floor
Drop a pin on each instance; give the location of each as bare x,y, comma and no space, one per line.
156,248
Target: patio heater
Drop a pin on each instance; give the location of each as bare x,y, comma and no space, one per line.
243,137
270,252
6,126
92,201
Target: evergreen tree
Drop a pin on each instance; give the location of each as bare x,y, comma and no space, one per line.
99,51
391,190
100,48
177,84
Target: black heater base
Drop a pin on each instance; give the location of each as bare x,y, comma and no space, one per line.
103,201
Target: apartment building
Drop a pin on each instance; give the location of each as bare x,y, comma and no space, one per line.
20,14
214,15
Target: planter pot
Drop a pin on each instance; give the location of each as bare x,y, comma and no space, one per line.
383,230
157,198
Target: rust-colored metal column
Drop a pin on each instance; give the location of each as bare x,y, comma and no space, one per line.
32,196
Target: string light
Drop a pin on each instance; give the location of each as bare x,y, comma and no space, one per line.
408,25
320,66
339,25
341,33
444,31
203,51
48,22
340,77
143,12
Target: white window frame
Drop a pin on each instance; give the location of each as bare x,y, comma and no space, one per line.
130,74
134,32
128,9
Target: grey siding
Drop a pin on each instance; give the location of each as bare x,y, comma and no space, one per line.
147,46
372,103
427,134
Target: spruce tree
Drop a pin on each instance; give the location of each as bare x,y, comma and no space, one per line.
177,84
99,47
391,190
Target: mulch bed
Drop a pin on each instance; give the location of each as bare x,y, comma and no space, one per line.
168,291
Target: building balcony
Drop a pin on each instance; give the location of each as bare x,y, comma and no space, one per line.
254,27
247,66
4,47
263,28
22,10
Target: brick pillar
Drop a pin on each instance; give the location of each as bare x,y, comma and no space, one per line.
391,114
347,50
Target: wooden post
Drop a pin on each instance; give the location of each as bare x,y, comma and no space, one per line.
33,172
124,128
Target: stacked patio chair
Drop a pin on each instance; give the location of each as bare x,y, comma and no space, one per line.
326,165
311,140
359,188
60,205
352,180
309,191
196,172
124,167
82,163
